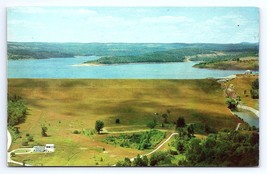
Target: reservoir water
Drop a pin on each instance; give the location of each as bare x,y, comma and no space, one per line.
248,117
63,68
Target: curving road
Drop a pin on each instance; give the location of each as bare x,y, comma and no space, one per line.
9,142
256,112
161,144
153,151
132,159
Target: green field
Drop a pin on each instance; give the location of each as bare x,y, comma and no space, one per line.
243,83
66,105
244,63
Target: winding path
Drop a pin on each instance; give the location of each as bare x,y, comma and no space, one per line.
153,151
9,160
161,144
132,131
256,112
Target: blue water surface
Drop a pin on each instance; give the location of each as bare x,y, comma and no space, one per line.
63,68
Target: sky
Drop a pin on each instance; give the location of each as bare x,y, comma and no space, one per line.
133,24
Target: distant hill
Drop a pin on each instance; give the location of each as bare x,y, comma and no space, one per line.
42,50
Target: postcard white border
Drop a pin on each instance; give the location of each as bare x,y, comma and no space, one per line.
262,4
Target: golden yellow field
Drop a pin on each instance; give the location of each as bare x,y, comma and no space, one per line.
243,83
65,105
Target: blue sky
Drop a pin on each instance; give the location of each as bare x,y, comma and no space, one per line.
133,24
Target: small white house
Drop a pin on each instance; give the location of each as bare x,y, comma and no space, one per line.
50,148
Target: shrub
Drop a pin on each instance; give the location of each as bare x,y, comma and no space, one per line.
140,161
27,134
30,138
254,93
180,122
232,104
25,143
173,152
117,121
180,146
160,158
152,124
142,140
88,132
126,163
76,132
44,130
255,89
99,125
13,154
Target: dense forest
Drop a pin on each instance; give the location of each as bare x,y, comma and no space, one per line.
246,59
174,51
17,110
219,149
177,55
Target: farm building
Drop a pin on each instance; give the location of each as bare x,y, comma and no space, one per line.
50,148
46,148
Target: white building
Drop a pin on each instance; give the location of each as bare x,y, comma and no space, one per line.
50,148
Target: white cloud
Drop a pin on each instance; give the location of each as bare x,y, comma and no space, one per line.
167,19
237,19
135,25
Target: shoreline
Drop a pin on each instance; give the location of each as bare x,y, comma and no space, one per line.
95,64
88,64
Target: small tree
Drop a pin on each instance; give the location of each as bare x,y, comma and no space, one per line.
30,138
117,121
44,130
140,161
180,123
76,132
13,154
160,158
126,163
255,89
232,104
165,117
180,146
152,124
190,131
99,125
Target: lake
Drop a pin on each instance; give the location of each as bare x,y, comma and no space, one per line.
63,68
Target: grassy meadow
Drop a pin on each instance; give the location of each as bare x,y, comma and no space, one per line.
243,83
243,63
66,105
